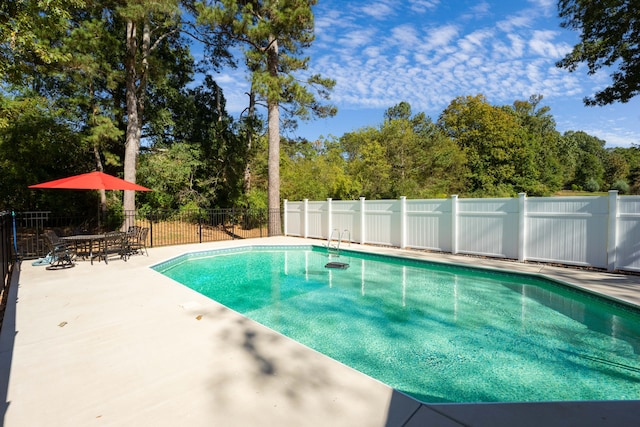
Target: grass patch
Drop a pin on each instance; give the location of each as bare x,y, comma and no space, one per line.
565,193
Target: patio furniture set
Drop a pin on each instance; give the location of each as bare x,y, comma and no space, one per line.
64,250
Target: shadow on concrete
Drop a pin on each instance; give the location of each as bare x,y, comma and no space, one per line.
7,340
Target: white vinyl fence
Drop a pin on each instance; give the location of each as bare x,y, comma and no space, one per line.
601,232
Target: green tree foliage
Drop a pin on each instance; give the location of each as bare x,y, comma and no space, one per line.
36,146
408,155
32,34
367,163
543,149
609,37
476,149
73,60
422,160
444,168
305,171
590,159
67,114
499,159
198,134
632,157
616,170
402,153
171,172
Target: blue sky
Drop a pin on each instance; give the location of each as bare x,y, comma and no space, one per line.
427,52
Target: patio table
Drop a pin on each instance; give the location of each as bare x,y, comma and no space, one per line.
90,240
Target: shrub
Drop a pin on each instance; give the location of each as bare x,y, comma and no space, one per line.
592,185
621,185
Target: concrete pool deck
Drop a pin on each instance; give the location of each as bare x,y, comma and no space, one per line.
122,345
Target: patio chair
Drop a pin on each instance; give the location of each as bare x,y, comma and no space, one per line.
114,243
133,230
138,240
61,253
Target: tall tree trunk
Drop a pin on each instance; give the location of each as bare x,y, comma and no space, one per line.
247,168
132,142
96,152
135,105
274,170
273,120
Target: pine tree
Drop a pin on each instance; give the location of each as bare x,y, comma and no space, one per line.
274,35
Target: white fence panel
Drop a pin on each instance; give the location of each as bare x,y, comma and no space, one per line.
382,219
429,224
316,212
570,230
599,232
488,227
295,219
346,216
628,233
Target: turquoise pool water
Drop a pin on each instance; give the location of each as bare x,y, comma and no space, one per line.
438,332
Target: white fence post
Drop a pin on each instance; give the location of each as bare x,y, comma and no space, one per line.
286,216
612,244
522,226
362,221
305,218
403,222
329,218
454,223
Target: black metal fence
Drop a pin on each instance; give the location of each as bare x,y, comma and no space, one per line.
165,227
6,252
7,258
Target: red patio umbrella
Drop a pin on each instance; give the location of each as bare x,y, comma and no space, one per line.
91,181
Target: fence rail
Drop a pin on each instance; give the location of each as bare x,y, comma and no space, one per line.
6,252
602,232
165,227
7,258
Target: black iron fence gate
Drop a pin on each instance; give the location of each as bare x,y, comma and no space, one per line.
165,227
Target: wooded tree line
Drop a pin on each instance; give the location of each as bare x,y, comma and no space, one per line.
89,84
473,149
115,86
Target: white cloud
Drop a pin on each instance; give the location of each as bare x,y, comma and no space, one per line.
381,9
542,43
380,53
614,136
235,85
546,6
405,36
422,6
373,52
357,38
477,12
518,21
481,8
475,40
440,36
510,48
449,63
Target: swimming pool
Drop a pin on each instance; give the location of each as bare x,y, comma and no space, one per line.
438,332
